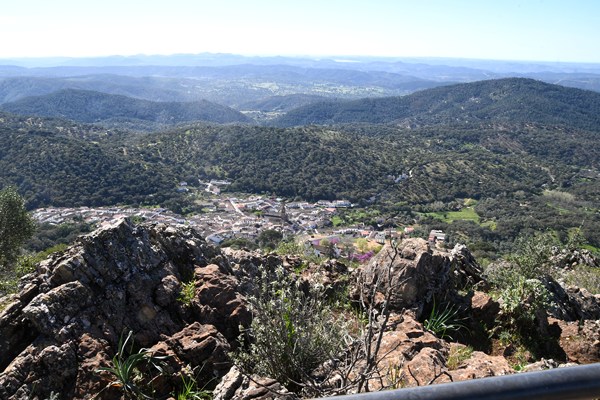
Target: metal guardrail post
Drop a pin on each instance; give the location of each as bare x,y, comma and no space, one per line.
569,383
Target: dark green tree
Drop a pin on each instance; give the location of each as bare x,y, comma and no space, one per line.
269,239
16,226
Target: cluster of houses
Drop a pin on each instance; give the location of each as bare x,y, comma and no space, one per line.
101,215
227,218
223,218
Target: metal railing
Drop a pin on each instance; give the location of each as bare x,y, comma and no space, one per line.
570,383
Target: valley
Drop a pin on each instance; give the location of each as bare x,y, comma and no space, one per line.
437,217
412,160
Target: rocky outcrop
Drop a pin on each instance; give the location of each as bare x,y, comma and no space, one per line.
480,365
218,301
572,303
466,270
415,273
580,340
236,386
570,258
484,309
66,321
411,356
68,317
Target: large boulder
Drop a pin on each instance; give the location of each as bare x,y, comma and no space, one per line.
67,319
413,273
571,303
218,301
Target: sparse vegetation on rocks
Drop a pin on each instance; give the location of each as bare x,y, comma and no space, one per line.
322,330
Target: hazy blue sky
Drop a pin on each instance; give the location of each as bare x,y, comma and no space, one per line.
544,30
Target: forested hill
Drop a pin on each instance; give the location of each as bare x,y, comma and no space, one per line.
500,100
96,107
54,162
59,163
281,103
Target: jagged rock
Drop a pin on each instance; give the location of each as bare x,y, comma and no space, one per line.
415,273
201,345
51,313
43,365
569,258
484,308
586,304
121,277
572,303
230,383
481,365
168,291
248,265
91,355
466,271
426,368
541,365
236,386
406,342
219,302
580,341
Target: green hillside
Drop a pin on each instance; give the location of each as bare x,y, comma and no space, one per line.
95,107
54,162
509,167
281,103
502,100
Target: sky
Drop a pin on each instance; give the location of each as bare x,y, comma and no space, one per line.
528,30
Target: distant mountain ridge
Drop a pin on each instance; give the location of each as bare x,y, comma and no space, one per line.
500,100
96,107
228,85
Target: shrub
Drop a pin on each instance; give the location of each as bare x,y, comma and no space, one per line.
16,226
187,293
292,332
532,254
289,247
522,303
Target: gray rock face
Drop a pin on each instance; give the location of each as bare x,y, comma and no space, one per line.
415,273
573,303
119,278
236,386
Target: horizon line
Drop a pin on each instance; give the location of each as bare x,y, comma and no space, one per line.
317,57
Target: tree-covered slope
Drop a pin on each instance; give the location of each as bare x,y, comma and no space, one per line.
96,107
54,162
281,103
60,163
501,100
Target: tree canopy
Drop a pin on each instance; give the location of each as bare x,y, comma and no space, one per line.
16,225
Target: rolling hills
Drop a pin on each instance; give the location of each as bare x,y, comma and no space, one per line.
52,163
231,85
503,100
95,107
521,139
